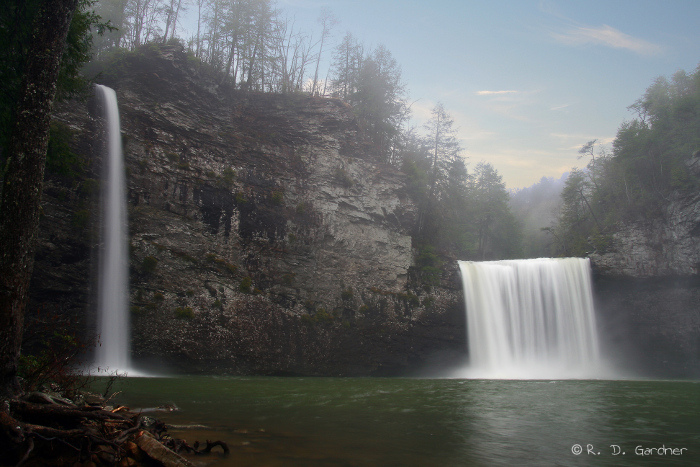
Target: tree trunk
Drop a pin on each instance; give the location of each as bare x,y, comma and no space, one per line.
22,188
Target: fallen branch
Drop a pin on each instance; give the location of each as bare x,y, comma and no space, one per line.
63,434
210,445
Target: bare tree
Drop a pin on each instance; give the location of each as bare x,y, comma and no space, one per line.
172,11
327,21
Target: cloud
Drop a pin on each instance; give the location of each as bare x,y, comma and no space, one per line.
560,107
606,36
491,93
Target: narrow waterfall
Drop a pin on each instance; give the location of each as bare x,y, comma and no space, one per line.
530,319
113,352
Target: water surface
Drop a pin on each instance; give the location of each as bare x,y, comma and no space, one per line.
427,422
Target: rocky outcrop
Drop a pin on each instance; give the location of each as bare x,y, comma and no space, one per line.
666,246
264,239
650,326
648,290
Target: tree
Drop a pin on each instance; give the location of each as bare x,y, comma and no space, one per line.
115,13
637,180
378,100
347,60
537,208
16,19
497,232
23,181
445,147
327,21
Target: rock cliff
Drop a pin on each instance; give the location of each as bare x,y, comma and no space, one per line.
263,237
648,288
668,245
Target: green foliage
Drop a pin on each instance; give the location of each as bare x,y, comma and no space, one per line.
347,294
537,208
428,302
635,181
228,177
301,208
374,89
149,264
498,233
240,198
50,353
444,148
429,264
221,263
409,298
89,187
80,219
343,177
277,198
246,285
16,23
186,313
459,214
184,256
59,157
320,316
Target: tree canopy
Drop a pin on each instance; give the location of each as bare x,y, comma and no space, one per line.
647,163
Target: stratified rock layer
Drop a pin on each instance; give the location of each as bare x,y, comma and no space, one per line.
264,239
648,288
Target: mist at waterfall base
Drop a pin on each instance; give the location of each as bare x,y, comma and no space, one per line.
530,319
113,351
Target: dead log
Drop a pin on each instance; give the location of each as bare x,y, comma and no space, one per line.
156,451
61,415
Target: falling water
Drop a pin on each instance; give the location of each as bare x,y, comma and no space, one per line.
112,313
530,319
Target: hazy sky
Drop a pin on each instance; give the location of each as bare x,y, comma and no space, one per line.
526,81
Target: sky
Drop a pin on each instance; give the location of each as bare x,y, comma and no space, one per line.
527,82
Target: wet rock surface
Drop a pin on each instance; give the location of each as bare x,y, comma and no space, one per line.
648,289
264,239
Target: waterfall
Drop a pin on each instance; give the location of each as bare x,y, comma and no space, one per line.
530,319
113,352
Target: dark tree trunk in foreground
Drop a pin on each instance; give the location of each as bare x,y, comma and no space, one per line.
22,188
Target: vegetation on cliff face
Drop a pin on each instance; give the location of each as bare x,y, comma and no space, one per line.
264,237
634,182
251,46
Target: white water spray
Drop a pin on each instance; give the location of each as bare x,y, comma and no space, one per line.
530,319
113,352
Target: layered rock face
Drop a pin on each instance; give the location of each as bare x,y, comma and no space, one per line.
648,288
263,237
669,246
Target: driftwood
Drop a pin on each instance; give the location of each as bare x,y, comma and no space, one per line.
42,430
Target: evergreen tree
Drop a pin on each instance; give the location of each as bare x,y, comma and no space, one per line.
347,60
444,147
497,232
635,181
378,98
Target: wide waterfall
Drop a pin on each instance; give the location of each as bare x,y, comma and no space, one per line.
113,351
530,319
